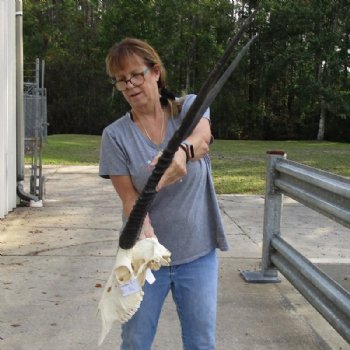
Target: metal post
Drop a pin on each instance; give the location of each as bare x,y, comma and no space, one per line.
272,222
20,123
41,133
19,92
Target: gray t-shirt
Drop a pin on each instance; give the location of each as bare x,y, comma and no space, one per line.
185,216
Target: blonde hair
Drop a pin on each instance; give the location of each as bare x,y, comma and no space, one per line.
120,52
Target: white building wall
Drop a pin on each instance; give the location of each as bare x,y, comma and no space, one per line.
7,107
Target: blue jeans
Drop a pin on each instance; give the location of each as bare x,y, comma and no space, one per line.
194,290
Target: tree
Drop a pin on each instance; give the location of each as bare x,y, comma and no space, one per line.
294,83
304,64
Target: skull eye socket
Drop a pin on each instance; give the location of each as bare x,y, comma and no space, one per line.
137,264
123,274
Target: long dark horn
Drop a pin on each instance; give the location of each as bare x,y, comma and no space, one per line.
205,97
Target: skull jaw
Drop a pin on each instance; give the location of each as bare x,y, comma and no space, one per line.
130,264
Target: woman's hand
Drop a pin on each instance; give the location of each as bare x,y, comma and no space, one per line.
200,139
176,171
147,230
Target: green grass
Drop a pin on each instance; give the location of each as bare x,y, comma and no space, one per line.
238,166
71,150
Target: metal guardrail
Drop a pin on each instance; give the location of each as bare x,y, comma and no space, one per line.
327,194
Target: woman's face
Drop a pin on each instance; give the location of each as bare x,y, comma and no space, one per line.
147,93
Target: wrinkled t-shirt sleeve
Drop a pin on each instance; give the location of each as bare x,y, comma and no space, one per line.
187,104
113,158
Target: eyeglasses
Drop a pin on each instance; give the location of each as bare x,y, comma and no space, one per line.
136,79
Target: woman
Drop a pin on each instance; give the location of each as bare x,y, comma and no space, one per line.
184,214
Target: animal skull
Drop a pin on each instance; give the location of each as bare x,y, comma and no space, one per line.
123,292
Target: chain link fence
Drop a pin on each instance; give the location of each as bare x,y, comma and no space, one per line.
35,114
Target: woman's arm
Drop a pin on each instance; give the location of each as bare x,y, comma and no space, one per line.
200,139
126,191
128,195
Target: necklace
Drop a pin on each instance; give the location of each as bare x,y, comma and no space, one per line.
146,132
